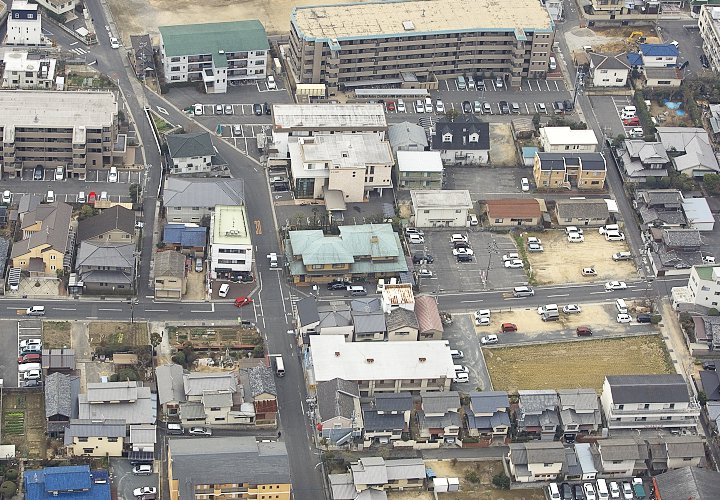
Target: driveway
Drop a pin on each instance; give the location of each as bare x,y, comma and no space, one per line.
461,335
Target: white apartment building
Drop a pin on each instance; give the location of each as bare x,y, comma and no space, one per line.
216,54
704,286
709,23
58,7
564,139
230,244
554,8
27,72
24,26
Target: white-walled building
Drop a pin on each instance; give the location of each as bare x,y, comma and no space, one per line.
419,170
27,72
58,7
554,8
24,25
230,243
191,153
216,54
608,71
709,23
564,139
441,208
704,286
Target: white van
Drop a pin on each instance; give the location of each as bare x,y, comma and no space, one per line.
621,306
224,289
523,291
26,367
50,198
35,311
356,290
629,110
461,83
113,175
602,490
553,63
279,366
608,227
380,286
553,491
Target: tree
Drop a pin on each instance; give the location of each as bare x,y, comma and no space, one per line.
702,398
501,481
536,120
8,489
134,193
179,358
451,114
712,183
155,339
11,474
86,211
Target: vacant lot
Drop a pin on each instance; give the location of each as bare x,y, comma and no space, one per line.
568,365
214,338
529,322
56,334
562,262
503,152
23,422
107,333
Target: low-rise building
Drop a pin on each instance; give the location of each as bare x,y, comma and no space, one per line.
536,461
113,225
658,55
621,457
171,389
47,239
698,214
335,319
128,401
191,153
192,200
537,413
58,7
430,326
675,452
579,411
401,325
375,475
642,160
24,71
464,140
231,251
663,77
446,208
58,360
690,150
704,286
593,213
340,418
307,317
188,239
61,395
439,416
419,170
262,390
169,277
368,320
488,414
406,136
567,140
75,481
142,441
89,438
387,416
214,399
106,268
584,171
690,482
608,71
24,24
513,212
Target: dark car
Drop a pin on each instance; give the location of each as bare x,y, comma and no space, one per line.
704,61
467,107
461,244
566,491
257,109
462,257
709,366
644,318
418,257
583,331
39,173
266,108
558,107
338,285
504,108
578,492
33,383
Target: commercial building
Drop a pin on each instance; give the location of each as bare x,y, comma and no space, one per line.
216,54
23,71
412,43
77,130
584,171
445,208
565,139
419,170
24,25
230,244
709,23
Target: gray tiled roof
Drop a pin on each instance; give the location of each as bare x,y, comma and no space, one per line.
534,452
368,322
584,209
369,471
684,447
682,237
307,311
366,305
689,482
222,399
190,145
401,401
98,404
61,392
488,402
622,449
197,383
179,192
94,428
334,315
192,410
450,418
342,486
333,398
110,219
374,421
170,383
648,389
498,418
401,318
143,434
55,225
440,402
664,197
536,401
261,381
169,263
116,255
579,399
603,61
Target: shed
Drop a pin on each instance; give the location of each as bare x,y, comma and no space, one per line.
698,214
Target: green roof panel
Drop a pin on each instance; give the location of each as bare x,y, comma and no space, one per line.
211,38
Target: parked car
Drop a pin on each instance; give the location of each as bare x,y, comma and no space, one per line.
458,237
390,106
6,197
514,264
464,258
439,106
627,491
709,366
515,108
228,109
644,318
589,271
28,342
615,285
143,470
416,238
267,109
583,331
535,247
472,219
575,238
482,321
489,339
145,490
401,106
466,107
200,431
338,285
59,173
572,309
510,256
589,491
198,109
541,108
456,354
631,122
704,61
29,358
487,109
461,244
477,107
558,107
32,375
412,230
504,108
425,273
38,173
508,327
419,257
218,109
623,318
499,82
461,377
622,256
419,106
482,313
524,184
257,109
463,251
271,85
114,43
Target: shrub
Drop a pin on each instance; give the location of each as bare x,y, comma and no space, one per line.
472,477
11,474
501,481
713,312
8,489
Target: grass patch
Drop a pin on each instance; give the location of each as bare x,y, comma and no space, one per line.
56,334
24,423
161,125
110,333
522,252
568,365
14,423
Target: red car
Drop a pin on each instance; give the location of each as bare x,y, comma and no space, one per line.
390,105
92,196
631,122
29,358
243,301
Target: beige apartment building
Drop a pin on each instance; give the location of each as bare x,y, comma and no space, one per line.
411,44
76,130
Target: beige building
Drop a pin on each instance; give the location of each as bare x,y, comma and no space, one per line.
536,461
46,240
412,43
169,271
709,23
90,438
584,171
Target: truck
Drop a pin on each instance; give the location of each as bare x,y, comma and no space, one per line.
638,488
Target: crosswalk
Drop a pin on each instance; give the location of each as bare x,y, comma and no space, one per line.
79,51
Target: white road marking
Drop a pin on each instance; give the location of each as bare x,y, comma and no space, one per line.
153,310
559,295
109,309
64,309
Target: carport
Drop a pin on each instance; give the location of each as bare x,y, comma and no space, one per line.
334,203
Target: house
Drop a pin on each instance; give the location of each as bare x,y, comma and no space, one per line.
579,411
406,136
565,139
581,462
262,390
662,77
368,319
387,416
61,401
58,360
488,414
90,438
75,481
128,401
370,477
142,56
335,318
710,380
194,200
608,71
231,250
213,466
698,214
662,199
617,458
402,325
704,286
47,238
191,153
446,208
359,251
642,160
58,7
430,325
170,280
171,388
24,71
570,171
142,441
690,150
536,461
24,26
658,55
673,251
593,213
537,413
689,482
106,268
462,141
419,170
213,398
439,416
675,452
382,366
28,203
512,212
307,317
399,295
339,413
648,402
113,225
187,239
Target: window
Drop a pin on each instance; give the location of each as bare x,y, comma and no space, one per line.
498,221
83,439
112,440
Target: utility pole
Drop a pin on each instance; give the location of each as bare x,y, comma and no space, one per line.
579,83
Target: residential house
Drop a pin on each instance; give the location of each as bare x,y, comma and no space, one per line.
593,213
191,153
106,268
58,360
565,139
128,401
570,171
194,200
579,411
642,160
536,461
387,416
674,251
382,366
512,212
170,280
61,401
28,203
419,170
690,150
662,199
363,250
446,208
58,7
488,414
464,140
340,418
704,286
406,136
689,482
231,249
581,462
28,71
621,457
213,398
663,77
335,318
171,388
371,477
307,317
142,56
90,438
710,380
47,239
648,402
439,416
658,55
368,320
399,295
113,225
608,71
142,441
675,452
74,481
24,24
262,390
537,413
213,466
402,325
187,239
430,325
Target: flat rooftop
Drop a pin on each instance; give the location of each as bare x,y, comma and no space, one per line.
329,116
566,135
230,226
419,161
35,109
441,199
409,18
346,150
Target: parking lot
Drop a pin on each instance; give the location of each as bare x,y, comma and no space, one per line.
125,481
244,137
461,336
8,352
497,182
26,329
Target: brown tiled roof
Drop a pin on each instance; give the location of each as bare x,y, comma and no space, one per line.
427,313
513,207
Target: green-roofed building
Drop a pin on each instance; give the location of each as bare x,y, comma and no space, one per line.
361,251
214,53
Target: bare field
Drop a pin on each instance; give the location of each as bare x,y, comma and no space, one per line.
24,422
103,333
56,334
529,322
562,262
569,365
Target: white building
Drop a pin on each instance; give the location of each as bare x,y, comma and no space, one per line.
446,208
608,71
554,8
27,72
230,244
564,139
191,153
58,7
24,26
216,54
704,286
419,170
709,23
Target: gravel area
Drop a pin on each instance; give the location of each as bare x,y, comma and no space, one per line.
530,324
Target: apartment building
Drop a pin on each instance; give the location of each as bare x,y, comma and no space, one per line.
570,170
410,44
441,208
704,286
709,23
216,54
24,25
77,130
230,244
562,139
23,71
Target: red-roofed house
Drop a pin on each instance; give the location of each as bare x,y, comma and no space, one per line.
430,325
513,212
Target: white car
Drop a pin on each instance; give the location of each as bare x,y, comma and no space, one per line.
425,273
455,238
200,431
614,236
482,313
439,106
627,491
623,318
514,264
412,230
541,108
59,173
114,42
589,491
416,238
456,354
472,218
461,377
28,342
145,490
6,197
489,339
198,109
419,106
484,321
510,256
614,490
589,271
535,247
575,238
462,251
533,239
572,309
401,106
525,184
573,229
271,83
32,375
615,285
428,105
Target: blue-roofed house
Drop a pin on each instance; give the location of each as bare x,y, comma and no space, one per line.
659,55
76,482
188,240
528,155
488,414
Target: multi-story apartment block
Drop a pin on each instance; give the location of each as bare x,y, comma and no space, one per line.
216,54
24,25
58,7
76,130
709,23
230,244
569,170
28,72
608,5
704,286
412,43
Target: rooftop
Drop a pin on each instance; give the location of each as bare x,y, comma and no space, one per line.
648,389
464,132
659,49
190,145
345,150
329,117
180,192
424,199
75,482
419,161
583,209
705,273
566,135
513,207
560,161
40,108
110,219
406,134
230,226
211,38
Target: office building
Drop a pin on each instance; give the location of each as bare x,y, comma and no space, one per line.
230,244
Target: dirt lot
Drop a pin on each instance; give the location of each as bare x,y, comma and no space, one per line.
562,262
195,287
672,118
104,333
24,422
530,323
503,152
214,338
568,365
56,334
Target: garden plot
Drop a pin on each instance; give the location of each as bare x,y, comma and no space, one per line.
24,422
116,333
